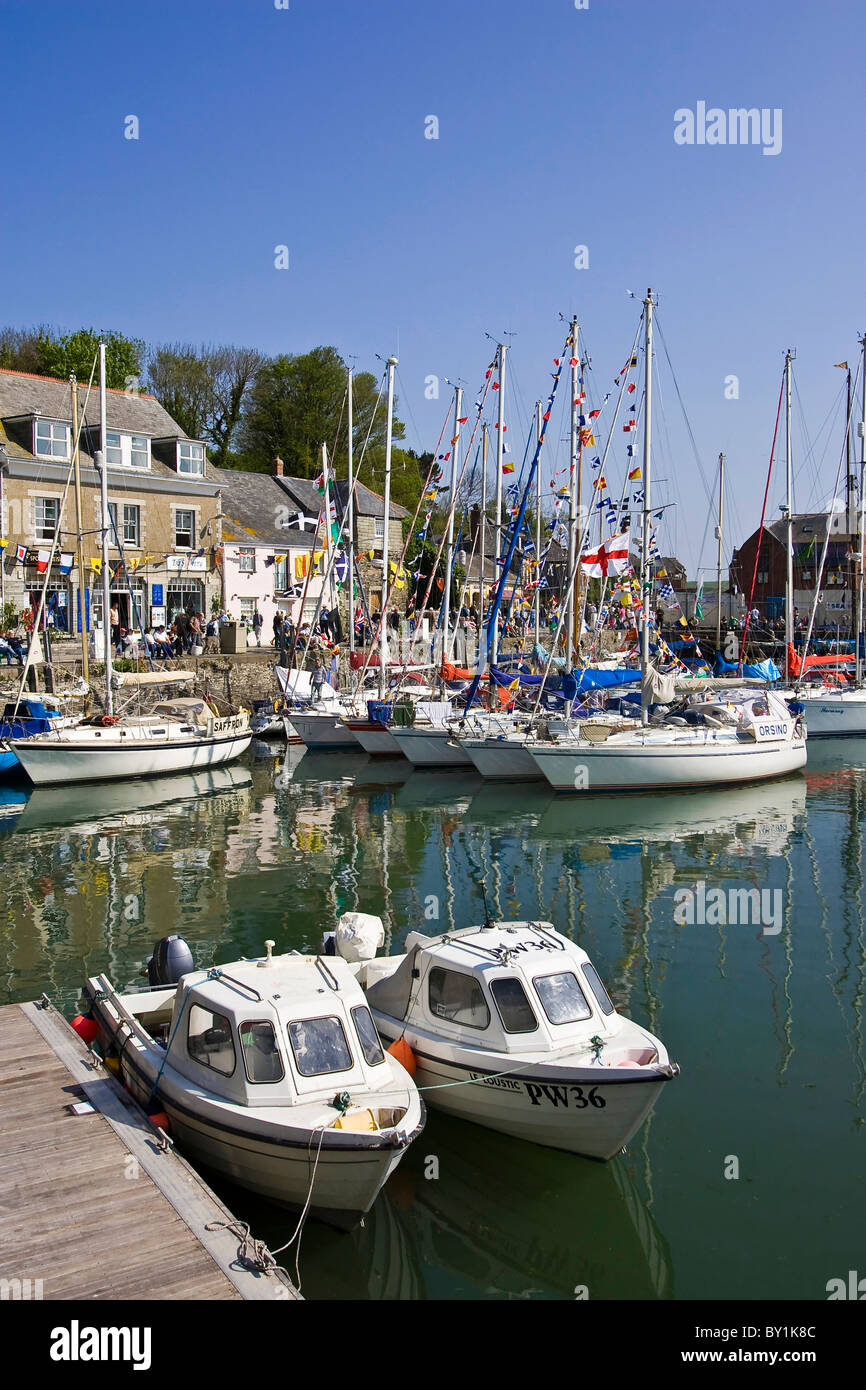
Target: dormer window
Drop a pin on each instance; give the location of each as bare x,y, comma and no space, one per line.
51,439
190,458
127,450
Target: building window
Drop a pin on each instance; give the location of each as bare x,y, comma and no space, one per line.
127,450
248,608
379,528
184,529
186,596
52,439
190,458
129,527
46,517
246,561
281,574
763,576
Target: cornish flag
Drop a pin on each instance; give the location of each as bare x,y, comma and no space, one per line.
611,557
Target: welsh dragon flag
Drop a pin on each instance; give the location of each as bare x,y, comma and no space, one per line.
610,558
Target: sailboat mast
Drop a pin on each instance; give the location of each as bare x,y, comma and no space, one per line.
449,551
383,619
350,503
861,524
500,454
483,545
82,591
570,616
645,532
579,521
537,527
106,523
789,525
719,553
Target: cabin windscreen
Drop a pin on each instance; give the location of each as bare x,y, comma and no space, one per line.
596,984
562,998
320,1046
513,1006
367,1035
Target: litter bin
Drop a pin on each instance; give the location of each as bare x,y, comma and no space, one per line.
232,639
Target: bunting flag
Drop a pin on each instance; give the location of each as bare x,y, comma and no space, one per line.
587,439
269,560
42,558
3,542
461,419
319,484
302,566
508,467
96,566
20,554
594,414
635,473
631,388
66,563
629,425
301,521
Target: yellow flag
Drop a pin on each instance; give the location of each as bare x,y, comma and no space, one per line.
96,565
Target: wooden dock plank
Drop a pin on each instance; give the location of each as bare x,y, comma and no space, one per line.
74,1185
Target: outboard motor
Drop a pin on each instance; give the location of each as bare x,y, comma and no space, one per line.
171,958
329,943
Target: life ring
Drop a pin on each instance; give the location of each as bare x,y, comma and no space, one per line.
107,720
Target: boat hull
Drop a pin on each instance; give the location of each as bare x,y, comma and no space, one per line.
836,716
501,760
581,768
566,1108
54,761
431,748
323,731
374,738
277,1159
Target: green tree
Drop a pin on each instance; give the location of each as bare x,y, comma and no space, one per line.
76,352
299,402
205,390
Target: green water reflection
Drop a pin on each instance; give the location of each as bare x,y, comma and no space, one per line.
767,1026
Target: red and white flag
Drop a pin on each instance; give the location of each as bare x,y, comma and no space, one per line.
610,558
629,425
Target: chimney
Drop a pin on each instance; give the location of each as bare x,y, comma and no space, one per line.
278,467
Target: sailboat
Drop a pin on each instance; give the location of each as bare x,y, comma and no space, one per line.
831,710
183,734
735,740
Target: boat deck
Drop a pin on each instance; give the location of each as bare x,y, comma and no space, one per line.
98,1206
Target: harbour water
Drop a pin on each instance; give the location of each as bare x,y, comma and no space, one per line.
748,1180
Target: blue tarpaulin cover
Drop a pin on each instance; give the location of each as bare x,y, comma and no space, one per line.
764,671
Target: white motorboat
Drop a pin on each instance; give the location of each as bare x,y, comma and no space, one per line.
269,1071
758,740
181,735
496,745
512,1027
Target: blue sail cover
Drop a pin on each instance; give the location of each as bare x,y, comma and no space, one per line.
764,671
593,679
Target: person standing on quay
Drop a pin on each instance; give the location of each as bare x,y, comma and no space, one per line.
258,624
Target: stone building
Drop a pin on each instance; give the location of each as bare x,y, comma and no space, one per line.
163,496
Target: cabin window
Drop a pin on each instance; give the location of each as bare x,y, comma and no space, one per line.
562,998
368,1037
513,1006
457,998
320,1046
596,984
261,1055
209,1040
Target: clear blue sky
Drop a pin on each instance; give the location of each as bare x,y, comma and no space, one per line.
305,127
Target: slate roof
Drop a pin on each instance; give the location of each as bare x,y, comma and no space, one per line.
807,526
303,492
253,506
23,394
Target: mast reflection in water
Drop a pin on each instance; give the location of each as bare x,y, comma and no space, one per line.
768,1028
